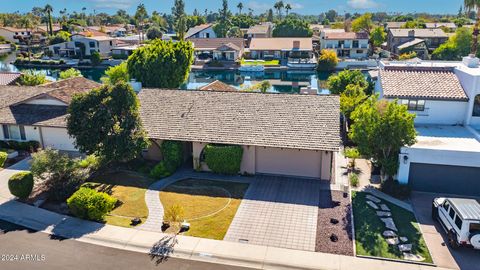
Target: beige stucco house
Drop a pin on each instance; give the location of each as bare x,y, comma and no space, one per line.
281,134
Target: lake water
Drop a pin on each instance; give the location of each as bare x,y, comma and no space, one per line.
281,81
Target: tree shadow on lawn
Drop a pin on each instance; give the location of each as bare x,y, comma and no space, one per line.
369,229
210,188
123,178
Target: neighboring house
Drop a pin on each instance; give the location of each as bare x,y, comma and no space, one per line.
281,134
39,113
345,44
262,30
221,49
433,38
281,48
13,34
417,45
111,30
9,78
124,51
393,25
449,25
84,45
218,86
446,100
201,31
55,28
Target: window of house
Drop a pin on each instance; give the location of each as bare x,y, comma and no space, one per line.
359,51
14,132
476,106
92,44
413,104
458,222
355,44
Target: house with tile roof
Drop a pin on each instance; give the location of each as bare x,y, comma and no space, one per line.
345,44
220,49
433,38
39,113
445,98
201,31
280,134
9,78
261,30
84,44
218,86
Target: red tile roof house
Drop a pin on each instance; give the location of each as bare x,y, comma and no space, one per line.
221,49
345,44
446,100
287,50
9,78
39,113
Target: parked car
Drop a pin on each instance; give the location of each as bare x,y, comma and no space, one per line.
461,220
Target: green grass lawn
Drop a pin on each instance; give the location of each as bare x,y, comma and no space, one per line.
260,63
129,189
368,231
209,206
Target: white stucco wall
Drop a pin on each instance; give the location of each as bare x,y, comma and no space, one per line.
31,134
57,138
442,112
209,31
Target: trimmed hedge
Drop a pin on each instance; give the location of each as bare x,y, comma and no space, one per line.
31,146
21,184
224,159
395,189
90,204
3,158
161,170
172,152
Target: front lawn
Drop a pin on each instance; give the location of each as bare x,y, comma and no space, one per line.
369,228
129,189
260,62
209,206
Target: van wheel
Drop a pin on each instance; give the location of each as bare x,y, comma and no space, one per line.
452,240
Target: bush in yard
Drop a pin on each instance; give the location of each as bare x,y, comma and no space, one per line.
224,159
327,61
3,158
161,170
70,73
90,204
354,181
21,184
174,213
32,78
395,189
352,153
173,153
95,59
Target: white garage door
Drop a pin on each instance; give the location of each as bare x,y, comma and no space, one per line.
288,162
57,138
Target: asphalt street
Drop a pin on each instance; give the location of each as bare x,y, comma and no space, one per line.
25,249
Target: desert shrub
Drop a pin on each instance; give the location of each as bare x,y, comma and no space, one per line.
395,189
3,158
223,158
174,213
90,204
21,184
354,181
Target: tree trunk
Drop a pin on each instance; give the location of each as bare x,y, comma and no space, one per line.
475,34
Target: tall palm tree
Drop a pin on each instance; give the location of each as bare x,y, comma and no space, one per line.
49,10
279,6
240,7
470,5
27,24
288,7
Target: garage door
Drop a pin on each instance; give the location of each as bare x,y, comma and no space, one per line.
288,162
57,138
445,179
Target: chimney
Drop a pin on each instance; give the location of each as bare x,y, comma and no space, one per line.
296,44
471,61
411,33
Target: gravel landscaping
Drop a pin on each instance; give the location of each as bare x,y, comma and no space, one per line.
334,223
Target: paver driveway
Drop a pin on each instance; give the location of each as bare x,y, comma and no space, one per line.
278,212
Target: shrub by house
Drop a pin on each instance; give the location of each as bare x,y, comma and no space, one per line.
172,152
90,204
225,159
3,158
21,184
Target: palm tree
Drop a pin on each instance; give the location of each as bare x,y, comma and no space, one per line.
240,7
469,5
288,7
279,6
49,10
140,16
27,23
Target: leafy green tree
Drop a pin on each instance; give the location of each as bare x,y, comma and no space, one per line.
415,24
116,74
106,122
49,10
95,58
292,27
407,55
70,73
163,64
140,18
331,15
264,86
380,129
235,32
378,36
365,24
243,21
60,37
31,77
270,15
327,61
351,98
338,83
456,47
154,32
180,20
224,24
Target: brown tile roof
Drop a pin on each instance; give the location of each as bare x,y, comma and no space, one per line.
218,86
38,115
269,120
426,83
65,89
278,44
419,33
10,95
216,43
345,35
8,78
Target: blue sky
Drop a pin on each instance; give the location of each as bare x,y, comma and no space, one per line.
313,7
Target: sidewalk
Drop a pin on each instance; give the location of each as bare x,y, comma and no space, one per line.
214,251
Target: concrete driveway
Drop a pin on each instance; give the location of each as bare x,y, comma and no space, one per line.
436,238
279,212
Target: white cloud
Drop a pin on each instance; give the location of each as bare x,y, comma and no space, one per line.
119,4
258,6
296,5
362,4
